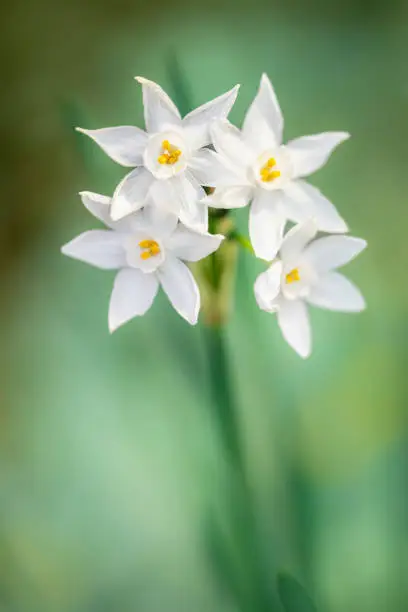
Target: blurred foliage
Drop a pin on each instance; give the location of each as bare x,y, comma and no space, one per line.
293,596
115,486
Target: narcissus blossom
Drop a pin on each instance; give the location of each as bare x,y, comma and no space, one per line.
306,273
157,218
149,249
166,157
261,170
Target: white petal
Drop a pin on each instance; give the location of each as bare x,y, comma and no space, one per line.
267,287
230,197
161,221
213,170
131,193
183,196
193,212
133,294
266,224
293,320
297,238
124,144
310,202
197,123
196,216
159,110
335,292
310,153
294,208
164,194
98,205
333,252
190,245
263,124
228,142
181,288
100,248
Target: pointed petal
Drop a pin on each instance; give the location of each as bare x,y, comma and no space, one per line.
294,209
294,323
100,248
266,224
189,245
98,205
228,142
164,195
333,252
310,202
197,123
335,292
195,215
267,287
310,153
182,196
193,211
263,124
213,170
124,144
133,294
181,288
159,110
131,193
162,221
297,238
230,197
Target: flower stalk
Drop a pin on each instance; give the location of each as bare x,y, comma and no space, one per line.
216,274
252,590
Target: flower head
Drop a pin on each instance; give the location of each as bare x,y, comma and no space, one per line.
261,170
166,157
149,249
306,272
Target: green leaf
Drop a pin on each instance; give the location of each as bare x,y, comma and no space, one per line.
180,87
293,596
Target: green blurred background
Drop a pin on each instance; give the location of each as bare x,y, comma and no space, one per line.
111,464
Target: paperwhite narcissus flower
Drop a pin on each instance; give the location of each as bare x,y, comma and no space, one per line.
149,248
270,174
306,272
166,157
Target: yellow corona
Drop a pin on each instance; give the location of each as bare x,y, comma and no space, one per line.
170,154
150,248
293,276
267,173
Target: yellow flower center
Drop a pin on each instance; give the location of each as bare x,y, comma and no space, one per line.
170,154
293,276
150,248
267,173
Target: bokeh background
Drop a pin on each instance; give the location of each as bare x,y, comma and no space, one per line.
110,458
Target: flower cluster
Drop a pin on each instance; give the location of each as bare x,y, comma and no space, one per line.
183,169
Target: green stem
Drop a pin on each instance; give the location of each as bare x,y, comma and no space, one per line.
258,596
241,240
222,395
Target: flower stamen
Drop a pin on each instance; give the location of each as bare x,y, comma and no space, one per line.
170,154
293,276
150,248
266,172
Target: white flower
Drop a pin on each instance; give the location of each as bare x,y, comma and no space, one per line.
148,247
306,272
165,157
263,170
